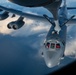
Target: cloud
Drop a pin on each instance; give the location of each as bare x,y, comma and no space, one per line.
3,26
71,49
31,27
71,42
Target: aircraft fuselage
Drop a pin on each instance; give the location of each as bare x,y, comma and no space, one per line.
54,45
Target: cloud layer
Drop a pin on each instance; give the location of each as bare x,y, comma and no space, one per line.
31,27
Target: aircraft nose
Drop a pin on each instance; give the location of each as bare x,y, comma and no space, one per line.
52,58
51,64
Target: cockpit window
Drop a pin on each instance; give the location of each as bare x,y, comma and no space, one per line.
48,45
52,45
58,45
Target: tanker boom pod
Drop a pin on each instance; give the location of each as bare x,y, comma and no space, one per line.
16,24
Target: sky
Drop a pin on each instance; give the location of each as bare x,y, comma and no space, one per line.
20,49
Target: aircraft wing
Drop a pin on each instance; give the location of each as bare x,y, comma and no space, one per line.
23,14
71,22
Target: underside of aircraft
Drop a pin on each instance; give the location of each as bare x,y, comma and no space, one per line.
32,3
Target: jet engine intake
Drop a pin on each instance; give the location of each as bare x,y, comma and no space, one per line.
16,24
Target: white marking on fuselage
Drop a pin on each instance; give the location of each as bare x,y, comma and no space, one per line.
57,26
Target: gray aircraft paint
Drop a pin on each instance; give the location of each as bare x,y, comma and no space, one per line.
52,57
